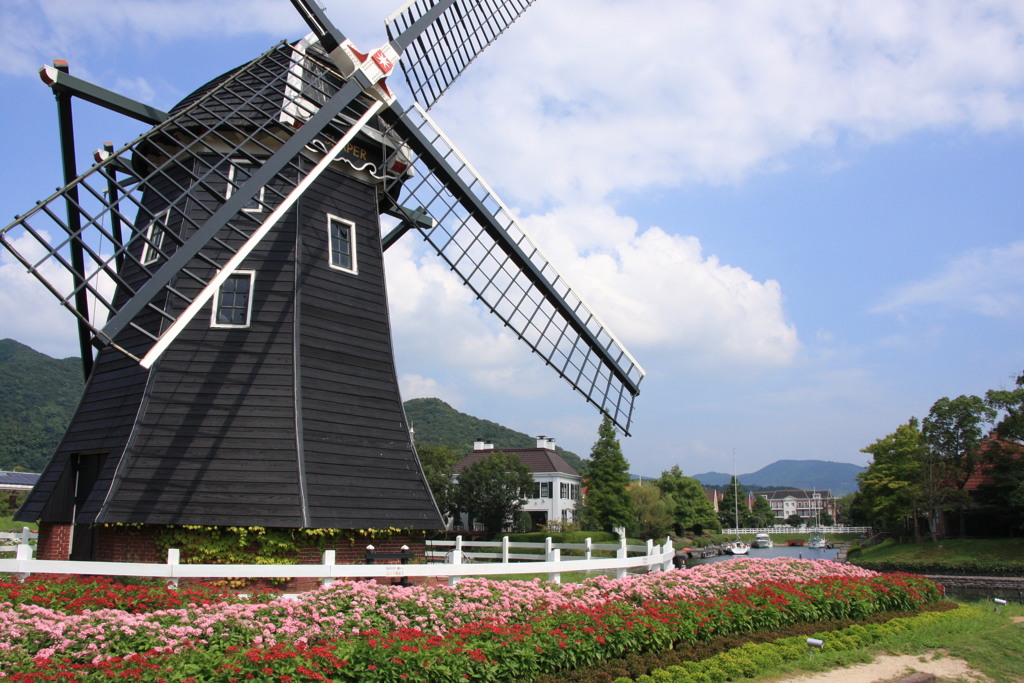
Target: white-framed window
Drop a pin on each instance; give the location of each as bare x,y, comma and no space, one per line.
238,173
232,303
542,489
341,239
154,238
570,491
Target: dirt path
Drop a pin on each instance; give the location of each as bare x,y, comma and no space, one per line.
890,667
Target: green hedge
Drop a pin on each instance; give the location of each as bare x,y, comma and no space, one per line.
755,660
564,537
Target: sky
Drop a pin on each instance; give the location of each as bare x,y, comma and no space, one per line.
804,219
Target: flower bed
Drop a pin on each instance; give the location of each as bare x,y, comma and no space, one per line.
480,629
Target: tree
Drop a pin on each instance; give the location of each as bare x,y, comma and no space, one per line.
608,502
953,431
439,468
795,520
692,508
652,512
1010,402
826,518
493,490
734,496
762,514
893,485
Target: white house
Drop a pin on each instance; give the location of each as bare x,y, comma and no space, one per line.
807,504
556,485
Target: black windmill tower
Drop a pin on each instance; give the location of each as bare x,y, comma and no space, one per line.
227,267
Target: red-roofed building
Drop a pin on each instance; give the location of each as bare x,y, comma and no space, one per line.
981,474
556,485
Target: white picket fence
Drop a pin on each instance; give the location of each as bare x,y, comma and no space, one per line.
650,557
786,529
9,540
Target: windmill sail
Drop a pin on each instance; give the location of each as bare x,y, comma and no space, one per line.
257,131
441,39
480,239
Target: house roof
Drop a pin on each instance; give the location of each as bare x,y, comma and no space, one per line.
18,479
981,474
539,460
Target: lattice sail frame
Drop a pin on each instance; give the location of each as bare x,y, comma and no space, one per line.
136,207
608,375
437,54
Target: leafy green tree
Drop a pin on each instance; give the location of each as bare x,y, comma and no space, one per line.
953,431
794,520
727,508
608,502
1009,402
826,518
439,467
493,490
692,509
762,514
652,512
892,486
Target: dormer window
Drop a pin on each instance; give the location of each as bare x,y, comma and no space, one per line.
341,236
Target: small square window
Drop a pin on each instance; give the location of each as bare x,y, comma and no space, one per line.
341,235
232,304
241,171
154,238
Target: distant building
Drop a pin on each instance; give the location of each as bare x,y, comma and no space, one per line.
17,481
556,485
807,504
13,488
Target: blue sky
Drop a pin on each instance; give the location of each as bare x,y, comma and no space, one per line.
803,219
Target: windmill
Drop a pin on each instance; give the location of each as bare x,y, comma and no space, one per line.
227,268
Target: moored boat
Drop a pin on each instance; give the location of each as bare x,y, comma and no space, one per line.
736,547
762,541
816,541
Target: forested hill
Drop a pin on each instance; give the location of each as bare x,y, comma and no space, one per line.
38,395
438,424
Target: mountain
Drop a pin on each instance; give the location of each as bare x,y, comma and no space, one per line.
838,477
438,424
38,396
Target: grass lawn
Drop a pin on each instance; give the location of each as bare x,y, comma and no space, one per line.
953,550
7,524
989,641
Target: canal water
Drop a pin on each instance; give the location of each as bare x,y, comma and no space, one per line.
778,551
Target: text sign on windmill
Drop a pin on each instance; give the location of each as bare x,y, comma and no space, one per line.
228,267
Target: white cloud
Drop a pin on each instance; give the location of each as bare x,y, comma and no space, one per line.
28,313
985,282
646,94
660,293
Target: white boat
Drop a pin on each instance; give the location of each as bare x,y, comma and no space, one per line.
762,541
736,548
816,541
